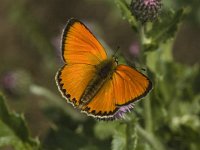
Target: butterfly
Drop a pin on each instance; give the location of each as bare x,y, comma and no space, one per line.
92,82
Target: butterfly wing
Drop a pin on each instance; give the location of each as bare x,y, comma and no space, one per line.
72,81
132,85
126,86
79,45
81,52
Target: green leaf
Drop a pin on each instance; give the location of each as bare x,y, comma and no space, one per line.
13,130
150,138
72,134
103,133
126,13
119,138
166,27
131,135
150,47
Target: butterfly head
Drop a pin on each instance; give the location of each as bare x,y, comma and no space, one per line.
115,59
114,56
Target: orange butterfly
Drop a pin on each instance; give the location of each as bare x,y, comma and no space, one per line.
93,83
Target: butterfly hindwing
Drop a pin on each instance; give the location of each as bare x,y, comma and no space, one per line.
132,84
73,79
126,86
103,104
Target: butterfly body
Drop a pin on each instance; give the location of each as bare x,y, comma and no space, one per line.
91,81
104,72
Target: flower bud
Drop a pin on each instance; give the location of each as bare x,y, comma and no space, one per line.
16,82
145,10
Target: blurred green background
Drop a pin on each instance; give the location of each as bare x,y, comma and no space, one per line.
30,34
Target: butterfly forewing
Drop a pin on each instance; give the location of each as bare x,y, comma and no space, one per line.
79,45
81,52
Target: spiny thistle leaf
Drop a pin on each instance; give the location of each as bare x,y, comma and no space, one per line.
126,13
131,135
118,142
13,130
166,27
104,133
119,138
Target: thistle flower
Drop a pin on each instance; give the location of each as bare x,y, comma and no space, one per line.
123,110
16,82
134,49
146,10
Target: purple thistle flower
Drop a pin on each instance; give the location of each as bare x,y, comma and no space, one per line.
123,110
134,49
15,82
146,10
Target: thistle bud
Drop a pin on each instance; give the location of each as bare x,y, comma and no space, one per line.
146,10
16,82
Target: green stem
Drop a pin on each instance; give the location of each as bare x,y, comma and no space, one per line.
147,102
55,101
149,138
126,13
148,116
131,135
142,38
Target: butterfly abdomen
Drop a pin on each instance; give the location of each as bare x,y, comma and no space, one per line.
104,72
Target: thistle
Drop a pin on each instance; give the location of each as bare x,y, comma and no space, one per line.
123,110
16,82
146,10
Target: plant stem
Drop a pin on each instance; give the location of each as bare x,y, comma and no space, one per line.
124,7
150,138
131,135
147,102
55,101
143,40
148,116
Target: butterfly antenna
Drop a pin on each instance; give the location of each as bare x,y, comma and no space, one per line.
115,53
